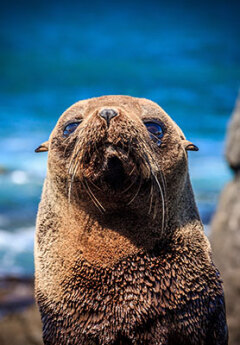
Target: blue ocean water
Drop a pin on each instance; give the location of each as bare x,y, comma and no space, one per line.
185,57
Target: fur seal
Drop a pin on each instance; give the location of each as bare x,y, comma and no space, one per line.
120,252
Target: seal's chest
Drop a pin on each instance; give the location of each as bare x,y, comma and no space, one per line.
127,295
133,311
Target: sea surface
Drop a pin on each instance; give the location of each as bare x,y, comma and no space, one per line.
186,58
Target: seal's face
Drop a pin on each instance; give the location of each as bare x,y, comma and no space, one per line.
113,150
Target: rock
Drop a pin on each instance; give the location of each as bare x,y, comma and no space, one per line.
21,328
19,317
233,139
15,294
3,170
225,229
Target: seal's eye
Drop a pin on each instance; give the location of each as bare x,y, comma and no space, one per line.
156,131
70,128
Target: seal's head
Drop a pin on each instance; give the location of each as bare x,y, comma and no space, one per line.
116,152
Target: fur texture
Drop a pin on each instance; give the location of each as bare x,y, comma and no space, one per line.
120,252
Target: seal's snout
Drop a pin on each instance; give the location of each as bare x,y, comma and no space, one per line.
108,114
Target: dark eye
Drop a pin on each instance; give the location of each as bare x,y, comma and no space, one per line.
70,128
156,131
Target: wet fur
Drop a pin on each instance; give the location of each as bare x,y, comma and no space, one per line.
124,266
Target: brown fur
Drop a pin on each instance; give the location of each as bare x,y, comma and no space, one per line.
126,265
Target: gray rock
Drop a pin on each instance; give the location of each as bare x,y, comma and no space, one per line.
233,139
225,229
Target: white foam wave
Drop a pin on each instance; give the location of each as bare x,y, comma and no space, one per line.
19,177
16,251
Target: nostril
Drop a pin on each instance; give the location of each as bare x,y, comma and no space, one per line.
108,114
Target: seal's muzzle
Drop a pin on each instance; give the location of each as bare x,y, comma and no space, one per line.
114,174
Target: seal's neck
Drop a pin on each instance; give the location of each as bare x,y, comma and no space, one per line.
103,239
182,208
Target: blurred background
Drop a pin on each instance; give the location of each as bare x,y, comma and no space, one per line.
183,55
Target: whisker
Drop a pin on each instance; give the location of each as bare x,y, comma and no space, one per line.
151,198
91,197
77,141
73,165
71,182
163,201
75,155
155,210
130,185
94,185
97,202
136,194
77,149
134,168
163,181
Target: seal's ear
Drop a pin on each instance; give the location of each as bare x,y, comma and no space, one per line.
43,147
189,146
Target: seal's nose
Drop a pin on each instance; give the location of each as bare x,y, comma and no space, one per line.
108,114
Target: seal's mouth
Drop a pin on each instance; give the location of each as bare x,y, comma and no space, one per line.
113,170
114,174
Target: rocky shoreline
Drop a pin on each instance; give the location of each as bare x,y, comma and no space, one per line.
19,317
